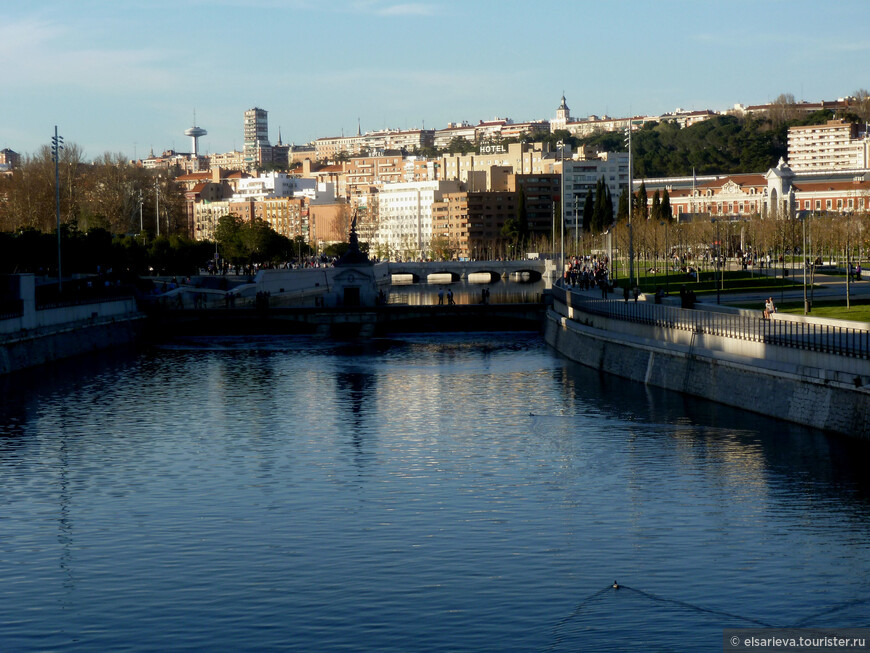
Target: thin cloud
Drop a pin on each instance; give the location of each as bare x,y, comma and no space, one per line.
414,9
44,56
380,8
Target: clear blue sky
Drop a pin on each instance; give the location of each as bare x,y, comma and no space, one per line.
123,77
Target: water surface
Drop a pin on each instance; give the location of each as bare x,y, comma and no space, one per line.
425,493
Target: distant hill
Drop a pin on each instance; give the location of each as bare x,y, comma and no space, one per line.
720,145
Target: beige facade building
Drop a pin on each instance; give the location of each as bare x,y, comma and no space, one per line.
288,216
522,158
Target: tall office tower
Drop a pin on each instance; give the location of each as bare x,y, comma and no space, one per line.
256,135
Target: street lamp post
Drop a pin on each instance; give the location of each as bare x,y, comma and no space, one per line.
718,254
561,145
630,211
576,230
804,256
157,203
56,147
668,258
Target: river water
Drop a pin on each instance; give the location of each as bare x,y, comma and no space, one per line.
424,493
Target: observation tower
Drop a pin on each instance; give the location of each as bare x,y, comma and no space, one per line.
194,133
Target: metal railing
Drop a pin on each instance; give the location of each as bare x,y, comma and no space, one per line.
11,308
49,297
811,336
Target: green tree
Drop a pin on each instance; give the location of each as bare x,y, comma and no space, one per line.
622,207
459,145
599,213
656,208
227,234
641,202
588,210
666,210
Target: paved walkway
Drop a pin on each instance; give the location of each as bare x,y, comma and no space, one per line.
828,287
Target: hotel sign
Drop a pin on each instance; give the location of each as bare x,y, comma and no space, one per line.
492,148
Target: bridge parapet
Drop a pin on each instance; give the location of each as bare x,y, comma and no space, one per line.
462,269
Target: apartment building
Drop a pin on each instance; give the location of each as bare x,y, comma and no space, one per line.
540,192
453,130
206,215
582,175
288,216
469,223
405,217
256,131
9,159
836,145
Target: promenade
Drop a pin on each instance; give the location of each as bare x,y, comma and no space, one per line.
804,369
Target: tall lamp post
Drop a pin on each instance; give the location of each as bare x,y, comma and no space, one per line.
668,258
804,257
561,145
718,255
157,203
630,211
56,147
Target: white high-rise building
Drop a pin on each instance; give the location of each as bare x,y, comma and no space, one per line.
256,135
581,175
836,145
405,217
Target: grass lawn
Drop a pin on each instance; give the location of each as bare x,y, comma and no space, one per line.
735,281
835,309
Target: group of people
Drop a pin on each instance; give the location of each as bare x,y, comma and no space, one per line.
587,272
449,297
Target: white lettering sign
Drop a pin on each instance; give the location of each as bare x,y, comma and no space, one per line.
493,149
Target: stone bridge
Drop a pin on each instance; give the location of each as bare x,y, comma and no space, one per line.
460,270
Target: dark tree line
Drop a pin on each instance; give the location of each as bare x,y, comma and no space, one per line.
97,250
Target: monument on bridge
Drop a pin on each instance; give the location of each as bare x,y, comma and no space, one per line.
355,283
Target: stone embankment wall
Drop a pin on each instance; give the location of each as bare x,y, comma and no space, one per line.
41,336
809,388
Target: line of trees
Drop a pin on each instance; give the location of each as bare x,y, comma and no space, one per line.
110,193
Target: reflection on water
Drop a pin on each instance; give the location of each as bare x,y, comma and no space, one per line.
505,291
439,493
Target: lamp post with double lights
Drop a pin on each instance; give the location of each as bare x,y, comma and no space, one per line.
718,254
630,210
561,145
56,147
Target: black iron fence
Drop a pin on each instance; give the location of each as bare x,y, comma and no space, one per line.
812,336
78,294
10,308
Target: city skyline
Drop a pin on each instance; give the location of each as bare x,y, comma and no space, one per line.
131,81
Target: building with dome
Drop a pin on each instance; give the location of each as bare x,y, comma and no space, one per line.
563,116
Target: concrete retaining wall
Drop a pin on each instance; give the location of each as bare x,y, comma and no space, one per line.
37,347
831,401
42,336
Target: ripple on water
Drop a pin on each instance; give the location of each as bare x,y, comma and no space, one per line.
419,493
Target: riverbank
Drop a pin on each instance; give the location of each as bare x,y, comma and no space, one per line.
741,368
32,335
